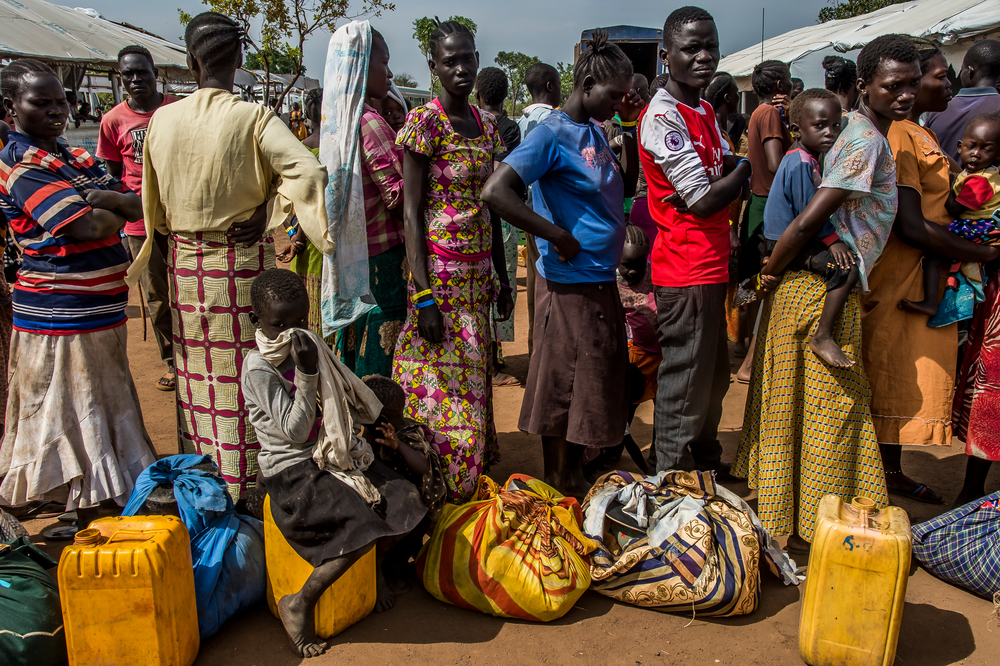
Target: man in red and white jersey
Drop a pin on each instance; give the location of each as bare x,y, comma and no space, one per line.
692,178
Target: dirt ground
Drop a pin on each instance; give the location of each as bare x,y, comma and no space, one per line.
941,624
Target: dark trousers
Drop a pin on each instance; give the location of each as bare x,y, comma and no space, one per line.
693,377
157,291
529,241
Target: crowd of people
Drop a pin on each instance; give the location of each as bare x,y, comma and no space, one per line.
839,235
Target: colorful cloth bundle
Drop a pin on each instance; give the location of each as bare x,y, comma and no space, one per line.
677,542
512,552
963,545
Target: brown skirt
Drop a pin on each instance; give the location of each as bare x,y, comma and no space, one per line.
579,365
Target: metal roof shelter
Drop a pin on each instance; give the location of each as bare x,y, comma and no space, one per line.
68,37
953,24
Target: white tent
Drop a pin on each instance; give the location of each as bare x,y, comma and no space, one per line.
954,24
64,36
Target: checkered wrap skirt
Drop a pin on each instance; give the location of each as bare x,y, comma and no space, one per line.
210,280
807,430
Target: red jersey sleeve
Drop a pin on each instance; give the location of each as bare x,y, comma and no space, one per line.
975,192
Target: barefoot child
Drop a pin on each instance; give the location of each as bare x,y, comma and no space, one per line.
974,198
815,116
635,288
330,498
405,445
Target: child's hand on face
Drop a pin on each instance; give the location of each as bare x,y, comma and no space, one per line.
842,255
304,353
388,436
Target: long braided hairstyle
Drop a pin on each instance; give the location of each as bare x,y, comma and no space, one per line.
444,30
766,76
718,87
313,107
602,60
840,74
214,40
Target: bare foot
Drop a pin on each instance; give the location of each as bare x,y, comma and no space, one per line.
964,499
918,307
298,623
829,352
384,596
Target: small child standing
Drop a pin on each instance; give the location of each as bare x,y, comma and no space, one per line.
406,446
974,200
815,116
330,498
635,288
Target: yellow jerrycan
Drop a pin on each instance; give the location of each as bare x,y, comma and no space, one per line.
127,591
855,584
346,602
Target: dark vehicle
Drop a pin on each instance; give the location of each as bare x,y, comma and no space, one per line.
641,45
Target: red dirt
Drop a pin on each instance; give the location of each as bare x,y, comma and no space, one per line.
941,624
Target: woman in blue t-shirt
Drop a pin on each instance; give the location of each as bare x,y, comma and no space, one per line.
576,393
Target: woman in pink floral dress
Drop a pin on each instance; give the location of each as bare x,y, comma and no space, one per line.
443,358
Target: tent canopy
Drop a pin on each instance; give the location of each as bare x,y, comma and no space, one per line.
60,35
953,24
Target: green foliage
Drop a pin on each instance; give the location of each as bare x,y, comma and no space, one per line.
514,64
404,80
285,25
842,10
565,80
422,29
281,61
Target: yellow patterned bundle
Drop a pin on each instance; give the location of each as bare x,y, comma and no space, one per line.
512,552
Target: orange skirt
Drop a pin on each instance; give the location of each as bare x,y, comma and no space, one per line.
648,364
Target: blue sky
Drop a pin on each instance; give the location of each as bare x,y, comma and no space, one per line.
547,29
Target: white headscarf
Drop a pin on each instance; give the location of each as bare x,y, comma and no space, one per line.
345,292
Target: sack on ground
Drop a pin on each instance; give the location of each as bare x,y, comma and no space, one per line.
227,549
512,552
963,545
678,542
31,626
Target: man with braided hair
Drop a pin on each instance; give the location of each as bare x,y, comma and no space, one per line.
214,169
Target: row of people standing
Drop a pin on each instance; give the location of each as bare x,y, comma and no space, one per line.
886,179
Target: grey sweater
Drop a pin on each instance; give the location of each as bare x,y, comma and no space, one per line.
284,414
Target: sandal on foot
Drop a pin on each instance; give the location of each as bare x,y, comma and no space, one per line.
168,382
503,379
921,493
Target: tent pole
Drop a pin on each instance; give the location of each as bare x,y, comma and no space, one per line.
762,34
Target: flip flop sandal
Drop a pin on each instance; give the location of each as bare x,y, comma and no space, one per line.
921,493
32,510
168,382
61,533
509,381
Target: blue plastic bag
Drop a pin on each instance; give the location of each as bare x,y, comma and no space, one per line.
227,549
963,545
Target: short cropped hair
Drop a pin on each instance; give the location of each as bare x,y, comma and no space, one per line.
803,98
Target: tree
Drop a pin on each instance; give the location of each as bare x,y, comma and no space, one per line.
422,29
281,63
514,64
282,21
842,10
565,80
404,80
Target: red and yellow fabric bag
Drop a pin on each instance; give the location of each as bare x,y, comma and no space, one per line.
516,551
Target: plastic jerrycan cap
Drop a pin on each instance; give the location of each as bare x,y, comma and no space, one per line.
87,537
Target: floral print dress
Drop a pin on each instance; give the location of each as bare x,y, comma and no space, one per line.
449,385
